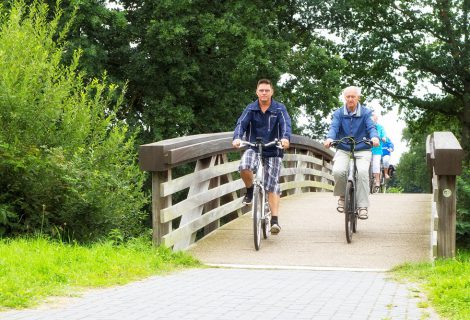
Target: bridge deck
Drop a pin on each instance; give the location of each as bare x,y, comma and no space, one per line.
312,235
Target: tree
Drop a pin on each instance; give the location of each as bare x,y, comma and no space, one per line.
67,163
394,47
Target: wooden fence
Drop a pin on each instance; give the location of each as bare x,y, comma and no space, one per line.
196,186
444,159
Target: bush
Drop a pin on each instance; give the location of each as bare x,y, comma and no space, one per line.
463,207
67,164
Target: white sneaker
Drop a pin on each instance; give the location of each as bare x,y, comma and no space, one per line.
275,228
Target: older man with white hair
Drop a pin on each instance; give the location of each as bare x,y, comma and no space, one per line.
352,120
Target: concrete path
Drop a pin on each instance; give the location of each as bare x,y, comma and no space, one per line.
398,230
239,294
308,271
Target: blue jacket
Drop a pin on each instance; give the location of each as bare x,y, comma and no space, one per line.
275,123
382,134
387,147
358,125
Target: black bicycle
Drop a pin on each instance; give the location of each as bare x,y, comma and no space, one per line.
350,199
260,210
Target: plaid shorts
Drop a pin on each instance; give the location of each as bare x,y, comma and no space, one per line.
272,169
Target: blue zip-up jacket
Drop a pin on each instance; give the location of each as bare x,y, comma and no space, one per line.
358,125
275,123
382,134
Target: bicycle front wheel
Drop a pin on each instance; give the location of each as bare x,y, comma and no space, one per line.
256,210
349,211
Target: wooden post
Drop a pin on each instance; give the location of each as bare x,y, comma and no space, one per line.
446,208
444,157
158,202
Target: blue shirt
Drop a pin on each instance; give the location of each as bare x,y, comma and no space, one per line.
358,125
275,123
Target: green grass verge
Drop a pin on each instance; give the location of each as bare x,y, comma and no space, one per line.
446,283
36,268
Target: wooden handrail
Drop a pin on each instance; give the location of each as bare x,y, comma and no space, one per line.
444,159
213,190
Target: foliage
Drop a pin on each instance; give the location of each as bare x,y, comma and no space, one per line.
446,282
400,50
463,207
51,268
67,163
412,174
192,66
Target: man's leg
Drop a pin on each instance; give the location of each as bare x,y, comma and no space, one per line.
273,199
273,189
362,163
340,172
247,165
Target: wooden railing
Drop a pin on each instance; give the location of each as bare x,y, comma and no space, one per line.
444,158
196,186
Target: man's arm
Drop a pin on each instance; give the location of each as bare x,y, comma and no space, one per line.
334,129
286,128
240,128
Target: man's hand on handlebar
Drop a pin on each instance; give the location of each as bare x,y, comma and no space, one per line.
284,143
236,143
327,143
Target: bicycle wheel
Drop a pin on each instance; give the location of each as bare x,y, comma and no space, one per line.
266,221
256,209
349,211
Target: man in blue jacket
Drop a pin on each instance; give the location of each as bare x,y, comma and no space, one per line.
269,119
352,119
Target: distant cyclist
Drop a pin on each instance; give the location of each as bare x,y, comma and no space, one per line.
269,119
387,149
352,119
377,151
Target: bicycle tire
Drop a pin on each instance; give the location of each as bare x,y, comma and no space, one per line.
256,210
266,221
349,211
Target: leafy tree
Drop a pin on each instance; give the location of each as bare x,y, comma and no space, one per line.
412,174
394,47
67,163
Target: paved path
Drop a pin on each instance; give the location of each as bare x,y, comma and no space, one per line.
220,293
308,271
397,231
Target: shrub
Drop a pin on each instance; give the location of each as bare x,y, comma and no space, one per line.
67,163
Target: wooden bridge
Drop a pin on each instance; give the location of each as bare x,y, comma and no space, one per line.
197,206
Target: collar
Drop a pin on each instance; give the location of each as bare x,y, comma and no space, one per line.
356,113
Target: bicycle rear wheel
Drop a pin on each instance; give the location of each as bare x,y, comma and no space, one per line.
349,211
266,221
256,210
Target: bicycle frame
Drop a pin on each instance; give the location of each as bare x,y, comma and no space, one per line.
350,197
260,208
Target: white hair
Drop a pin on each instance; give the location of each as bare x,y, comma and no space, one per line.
354,88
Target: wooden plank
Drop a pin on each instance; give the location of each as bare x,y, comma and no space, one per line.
303,170
302,157
181,183
303,184
180,208
202,221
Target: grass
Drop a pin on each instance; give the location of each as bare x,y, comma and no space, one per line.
446,283
33,269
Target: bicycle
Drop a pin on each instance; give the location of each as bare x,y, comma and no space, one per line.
382,187
260,208
350,199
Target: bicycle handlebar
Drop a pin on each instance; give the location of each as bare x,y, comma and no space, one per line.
351,141
264,145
